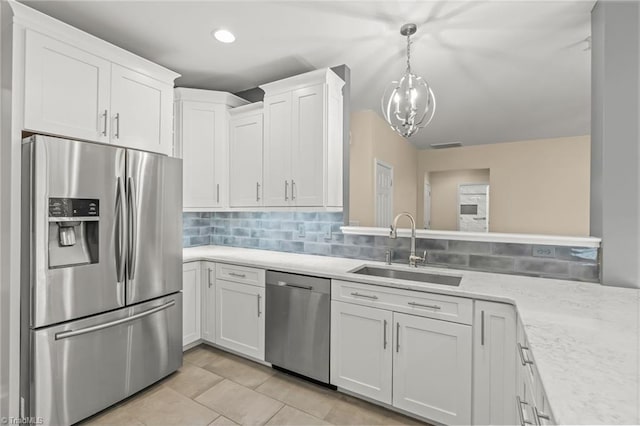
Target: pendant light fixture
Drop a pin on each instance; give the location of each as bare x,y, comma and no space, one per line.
408,105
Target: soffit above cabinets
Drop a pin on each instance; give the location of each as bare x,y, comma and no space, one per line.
500,71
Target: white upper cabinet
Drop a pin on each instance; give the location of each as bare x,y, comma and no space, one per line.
67,89
245,156
81,87
141,110
277,150
303,141
202,141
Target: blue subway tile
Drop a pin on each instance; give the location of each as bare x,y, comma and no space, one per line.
317,248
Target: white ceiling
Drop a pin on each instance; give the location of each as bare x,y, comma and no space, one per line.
500,70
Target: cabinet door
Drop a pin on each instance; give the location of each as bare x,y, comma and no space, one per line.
494,364
141,111
208,304
308,146
240,318
361,353
66,90
245,161
432,368
277,150
199,150
190,302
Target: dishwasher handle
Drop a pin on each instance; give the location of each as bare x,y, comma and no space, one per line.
303,287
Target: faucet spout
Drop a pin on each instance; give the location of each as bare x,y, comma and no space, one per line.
394,234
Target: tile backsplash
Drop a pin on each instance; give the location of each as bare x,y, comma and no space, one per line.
319,233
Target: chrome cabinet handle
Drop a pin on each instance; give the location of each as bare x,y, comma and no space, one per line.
397,337
133,223
235,274
120,253
259,313
71,333
520,403
304,287
117,133
384,338
217,192
540,415
523,359
293,189
209,277
420,305
364,295
482,328
257,191
286,190
104,128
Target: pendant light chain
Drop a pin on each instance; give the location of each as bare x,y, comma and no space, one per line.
408,54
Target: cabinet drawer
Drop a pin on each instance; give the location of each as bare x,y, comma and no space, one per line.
449,308
240,274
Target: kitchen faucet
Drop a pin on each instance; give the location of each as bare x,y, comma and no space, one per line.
413,259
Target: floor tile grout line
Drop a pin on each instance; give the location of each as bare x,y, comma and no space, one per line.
274,414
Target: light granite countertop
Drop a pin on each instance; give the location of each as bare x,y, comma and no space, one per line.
585,338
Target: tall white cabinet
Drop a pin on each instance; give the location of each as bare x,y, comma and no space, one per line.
303,141
245,156
494,364
80,87
202,140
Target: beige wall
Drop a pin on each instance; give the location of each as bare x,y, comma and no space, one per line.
372,138
536,187
444,195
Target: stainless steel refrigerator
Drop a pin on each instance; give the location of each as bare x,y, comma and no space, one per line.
101,275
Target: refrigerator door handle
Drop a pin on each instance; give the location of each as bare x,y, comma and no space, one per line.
71,333
120,213
133,227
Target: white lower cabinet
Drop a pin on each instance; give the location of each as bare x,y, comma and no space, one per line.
417,364
494,364
208,302
191,280
240,317
361,350
432,368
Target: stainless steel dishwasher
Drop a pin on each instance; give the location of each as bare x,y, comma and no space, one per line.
297,324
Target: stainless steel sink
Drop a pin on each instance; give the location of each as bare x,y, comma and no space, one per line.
405,274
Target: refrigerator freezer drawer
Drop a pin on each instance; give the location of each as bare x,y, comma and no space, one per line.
82,367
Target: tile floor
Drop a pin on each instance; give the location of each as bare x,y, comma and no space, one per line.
214,387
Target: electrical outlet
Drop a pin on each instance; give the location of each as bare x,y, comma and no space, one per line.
544,251
301,230
327,232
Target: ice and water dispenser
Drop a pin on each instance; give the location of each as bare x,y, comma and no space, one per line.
73,231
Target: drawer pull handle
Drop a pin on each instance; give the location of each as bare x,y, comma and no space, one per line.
235,274
364,295
524,359
436,307
304,287
523,421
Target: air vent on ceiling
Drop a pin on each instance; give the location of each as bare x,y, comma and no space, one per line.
445,145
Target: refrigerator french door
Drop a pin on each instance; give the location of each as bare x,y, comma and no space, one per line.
101,275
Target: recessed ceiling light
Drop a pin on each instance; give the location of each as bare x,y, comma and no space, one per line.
224,36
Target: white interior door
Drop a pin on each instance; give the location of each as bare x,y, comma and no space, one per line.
427,205
383,193
473,207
